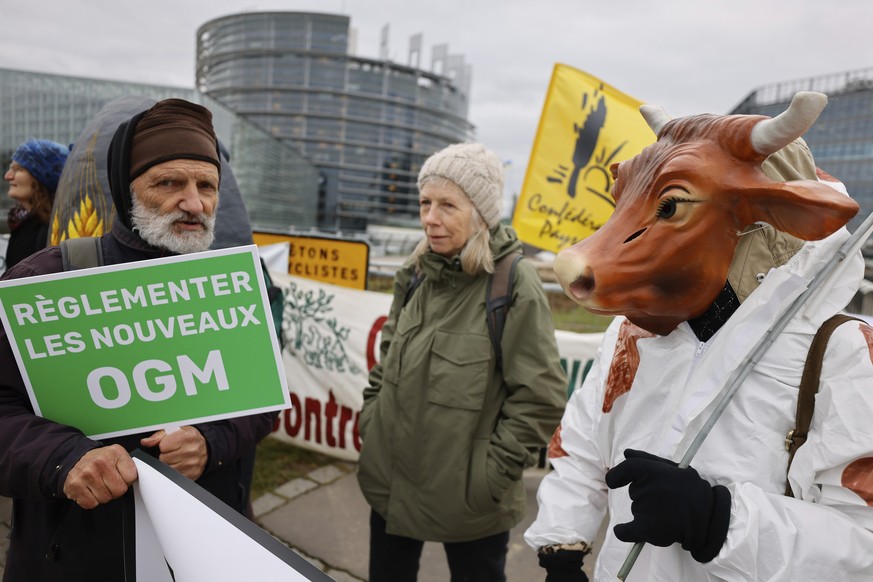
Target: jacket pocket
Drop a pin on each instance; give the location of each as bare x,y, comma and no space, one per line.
408,323
479,495
459,370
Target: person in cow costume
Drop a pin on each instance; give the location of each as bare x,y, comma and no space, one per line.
718,226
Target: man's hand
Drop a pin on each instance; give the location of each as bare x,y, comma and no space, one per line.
671,505
100,476
184,450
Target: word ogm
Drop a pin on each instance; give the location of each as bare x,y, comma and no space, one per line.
165,381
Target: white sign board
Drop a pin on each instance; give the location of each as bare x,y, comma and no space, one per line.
181,525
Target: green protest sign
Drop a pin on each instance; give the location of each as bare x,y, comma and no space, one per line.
134,347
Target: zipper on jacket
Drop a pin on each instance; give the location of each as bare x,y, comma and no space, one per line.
54,544
698,353
675,427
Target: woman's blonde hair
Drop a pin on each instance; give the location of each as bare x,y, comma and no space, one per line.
476,254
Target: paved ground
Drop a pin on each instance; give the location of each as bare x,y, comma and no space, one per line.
329,524
324,518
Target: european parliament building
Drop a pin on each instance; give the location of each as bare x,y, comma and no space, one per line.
842,139
366,124
318,138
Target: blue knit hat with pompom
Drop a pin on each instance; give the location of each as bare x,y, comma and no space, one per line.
44,160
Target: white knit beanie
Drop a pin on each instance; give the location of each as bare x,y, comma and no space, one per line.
476,170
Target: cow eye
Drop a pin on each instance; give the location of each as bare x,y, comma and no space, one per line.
667,208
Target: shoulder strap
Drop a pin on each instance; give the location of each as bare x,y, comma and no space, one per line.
81,253
499,299
809,383
414,283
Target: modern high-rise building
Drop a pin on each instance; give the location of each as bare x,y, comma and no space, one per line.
366,124
841,139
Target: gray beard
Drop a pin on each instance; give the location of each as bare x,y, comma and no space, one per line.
158,229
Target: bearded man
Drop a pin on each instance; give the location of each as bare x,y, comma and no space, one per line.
164,175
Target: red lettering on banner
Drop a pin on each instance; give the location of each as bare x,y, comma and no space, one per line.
371,341
313,412
330,411
309,416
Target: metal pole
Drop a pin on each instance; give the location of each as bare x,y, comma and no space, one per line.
852,244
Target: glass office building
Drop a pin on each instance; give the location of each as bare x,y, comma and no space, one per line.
841,139
278,185
367,124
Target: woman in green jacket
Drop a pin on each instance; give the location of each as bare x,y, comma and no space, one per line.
449,424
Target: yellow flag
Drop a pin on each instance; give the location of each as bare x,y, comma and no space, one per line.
586,126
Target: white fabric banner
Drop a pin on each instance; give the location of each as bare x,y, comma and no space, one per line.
332,340
275,256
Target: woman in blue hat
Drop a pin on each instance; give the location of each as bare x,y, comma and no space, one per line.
33,179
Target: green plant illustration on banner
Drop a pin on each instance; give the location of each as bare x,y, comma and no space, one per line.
308,330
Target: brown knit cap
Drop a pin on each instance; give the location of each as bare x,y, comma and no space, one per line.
173,129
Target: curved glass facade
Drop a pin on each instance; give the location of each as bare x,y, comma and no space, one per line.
368,125
277,184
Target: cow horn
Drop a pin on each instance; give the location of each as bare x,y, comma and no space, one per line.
771,135
655,116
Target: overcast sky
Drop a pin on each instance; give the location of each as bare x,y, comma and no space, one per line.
691,56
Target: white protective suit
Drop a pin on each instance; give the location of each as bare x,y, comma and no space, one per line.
824,534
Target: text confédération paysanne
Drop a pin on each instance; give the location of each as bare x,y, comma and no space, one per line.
43,310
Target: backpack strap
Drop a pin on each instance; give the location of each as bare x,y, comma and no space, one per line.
809,384
81,253
414,282
499,298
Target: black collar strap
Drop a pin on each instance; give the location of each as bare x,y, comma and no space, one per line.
705,326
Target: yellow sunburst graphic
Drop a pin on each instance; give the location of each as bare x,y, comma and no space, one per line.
84,222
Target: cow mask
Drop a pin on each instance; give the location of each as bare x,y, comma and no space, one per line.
663,256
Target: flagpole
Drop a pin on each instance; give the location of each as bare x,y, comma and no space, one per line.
850,246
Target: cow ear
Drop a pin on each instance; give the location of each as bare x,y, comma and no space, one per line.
615,191
613,169
804,208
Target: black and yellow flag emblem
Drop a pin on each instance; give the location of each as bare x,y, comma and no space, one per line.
586,126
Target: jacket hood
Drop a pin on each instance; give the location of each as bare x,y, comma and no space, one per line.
762,247
803,266
504,240
118,165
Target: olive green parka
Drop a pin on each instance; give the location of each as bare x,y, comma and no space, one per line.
447,433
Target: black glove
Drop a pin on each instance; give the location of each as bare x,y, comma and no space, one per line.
563,565
671,505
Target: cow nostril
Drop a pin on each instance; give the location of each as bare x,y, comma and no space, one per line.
583,286
634,235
